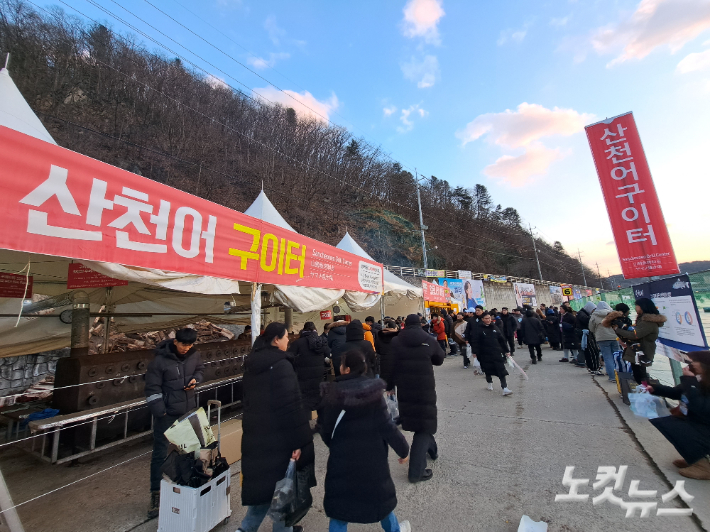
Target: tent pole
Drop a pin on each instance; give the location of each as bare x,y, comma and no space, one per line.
288,319
382,309
9,516
255,311
80,324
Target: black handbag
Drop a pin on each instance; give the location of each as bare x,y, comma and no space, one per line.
305,480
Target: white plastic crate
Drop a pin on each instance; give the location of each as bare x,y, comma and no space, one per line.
185,509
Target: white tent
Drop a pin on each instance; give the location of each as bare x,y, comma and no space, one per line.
393,284
15,112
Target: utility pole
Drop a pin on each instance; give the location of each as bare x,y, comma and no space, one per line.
421,220
535,248
600,276
579,254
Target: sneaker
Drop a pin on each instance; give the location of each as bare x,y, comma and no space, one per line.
297,528
465,367
534,360
539,358
506,391
404,526
490,387
154,504
564,360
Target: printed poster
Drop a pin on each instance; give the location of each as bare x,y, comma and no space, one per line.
455,288
525,294
473,294
556,295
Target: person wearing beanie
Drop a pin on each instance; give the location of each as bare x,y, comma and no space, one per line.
688,429
490,347
355,339
552,329
641,342
415,355
618,317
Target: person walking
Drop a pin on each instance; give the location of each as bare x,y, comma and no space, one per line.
460,338
309,352
605,337
383,346
336,334
491,349
355,339
570,343
589,352
510,326
357,429
518,332
641,342
416,353
170,382
439,329
275,425
534,334
552,329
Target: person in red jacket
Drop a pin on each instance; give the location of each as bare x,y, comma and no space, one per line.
438,328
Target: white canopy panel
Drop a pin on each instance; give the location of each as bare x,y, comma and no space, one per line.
16,114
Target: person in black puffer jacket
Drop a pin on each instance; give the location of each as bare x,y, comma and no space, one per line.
415,353
275,424
336,335
357,428
383,346
170,382
355,339
534,334
490,347
309,353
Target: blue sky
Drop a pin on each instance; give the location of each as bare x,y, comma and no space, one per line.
483,92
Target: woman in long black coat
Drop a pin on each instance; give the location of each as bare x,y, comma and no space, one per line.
383,344
357,428
690,435
570,343
488,344
534,334
275,423
552,329
309,352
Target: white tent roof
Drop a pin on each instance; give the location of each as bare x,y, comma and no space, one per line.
16,114
263,209
393,284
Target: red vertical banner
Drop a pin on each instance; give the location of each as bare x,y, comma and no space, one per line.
640,232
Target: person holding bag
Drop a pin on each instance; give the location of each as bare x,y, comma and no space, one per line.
357,428
491,349
275,426
688,429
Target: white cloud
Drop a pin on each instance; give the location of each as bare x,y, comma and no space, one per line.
655,23
408,115
524,128
261,63
518,169
272,28
389,111
694,62
424,72
511,35
216,83
559,22
305,104
421,19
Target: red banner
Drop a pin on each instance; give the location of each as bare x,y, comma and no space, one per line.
326,315
434,292
640,232
58,202
79,276
14,285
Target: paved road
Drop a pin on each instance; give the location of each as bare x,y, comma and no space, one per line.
500,458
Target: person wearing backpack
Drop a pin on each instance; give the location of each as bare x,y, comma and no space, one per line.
357,428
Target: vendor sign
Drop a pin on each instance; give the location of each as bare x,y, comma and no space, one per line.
14,285
433,292
61,203
80,276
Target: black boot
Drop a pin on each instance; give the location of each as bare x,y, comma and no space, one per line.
154,504
533,360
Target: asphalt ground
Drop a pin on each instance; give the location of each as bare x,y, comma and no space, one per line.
499,458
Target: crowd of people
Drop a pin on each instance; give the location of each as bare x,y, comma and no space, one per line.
346,374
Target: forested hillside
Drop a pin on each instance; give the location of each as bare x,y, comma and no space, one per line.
110,97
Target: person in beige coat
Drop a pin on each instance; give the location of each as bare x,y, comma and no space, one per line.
605,336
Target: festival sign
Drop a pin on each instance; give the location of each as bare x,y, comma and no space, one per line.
567,290
454,287
326,314
525,294
465,274
433,292
80,276
675,300
640,232
15,285
69,205
473,294
556,295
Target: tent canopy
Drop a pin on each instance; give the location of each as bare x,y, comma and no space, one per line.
15,112
393,284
